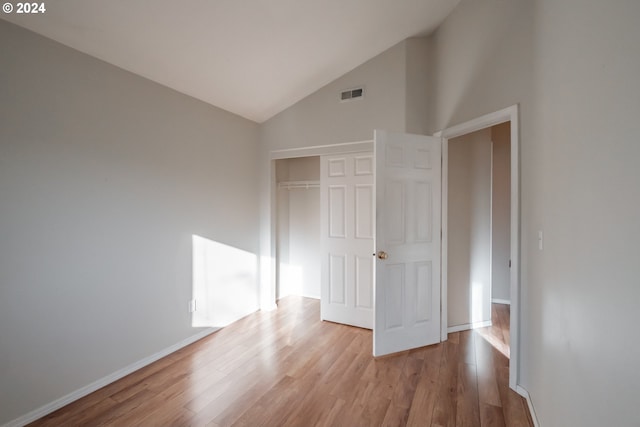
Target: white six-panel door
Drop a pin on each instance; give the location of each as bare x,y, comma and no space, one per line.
408,216
347,200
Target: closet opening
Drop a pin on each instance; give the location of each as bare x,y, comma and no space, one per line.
298,227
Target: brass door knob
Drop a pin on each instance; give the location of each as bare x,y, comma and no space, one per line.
382,255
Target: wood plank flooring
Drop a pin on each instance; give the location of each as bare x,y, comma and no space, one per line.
287,368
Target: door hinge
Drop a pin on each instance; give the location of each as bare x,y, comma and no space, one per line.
509,263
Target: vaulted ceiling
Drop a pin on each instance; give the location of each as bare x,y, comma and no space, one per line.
254,58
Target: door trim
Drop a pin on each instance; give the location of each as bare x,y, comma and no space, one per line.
319,150
509,114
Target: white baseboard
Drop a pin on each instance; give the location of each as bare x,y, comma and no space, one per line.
90,388
500,301
524,393
467,326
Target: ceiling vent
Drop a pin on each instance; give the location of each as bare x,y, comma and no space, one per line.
351,94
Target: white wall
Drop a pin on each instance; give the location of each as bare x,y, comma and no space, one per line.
419,85
321,118
299,229
104,178
501,212
573,66
469,229
585,289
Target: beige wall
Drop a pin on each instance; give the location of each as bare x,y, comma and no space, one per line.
104,178
469,229
419,89
584,286
321,118
572,66
397,98
483,60
501,212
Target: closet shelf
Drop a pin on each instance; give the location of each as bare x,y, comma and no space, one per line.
291,185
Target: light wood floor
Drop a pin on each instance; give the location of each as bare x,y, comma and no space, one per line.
287,368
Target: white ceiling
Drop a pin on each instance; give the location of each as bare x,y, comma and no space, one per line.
254,58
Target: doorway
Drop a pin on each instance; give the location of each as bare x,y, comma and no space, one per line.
295,216
508,115
478,232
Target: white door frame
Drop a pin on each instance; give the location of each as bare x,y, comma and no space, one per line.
350,147
509,114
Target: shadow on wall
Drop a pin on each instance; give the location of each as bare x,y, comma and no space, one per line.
224,283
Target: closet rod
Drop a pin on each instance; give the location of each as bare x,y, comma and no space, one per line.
290,185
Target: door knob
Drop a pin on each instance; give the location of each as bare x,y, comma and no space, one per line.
382,255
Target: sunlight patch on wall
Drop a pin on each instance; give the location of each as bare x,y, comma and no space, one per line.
224,283
291,277
267,291
477,302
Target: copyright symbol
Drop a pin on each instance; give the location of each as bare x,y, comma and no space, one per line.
7,8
